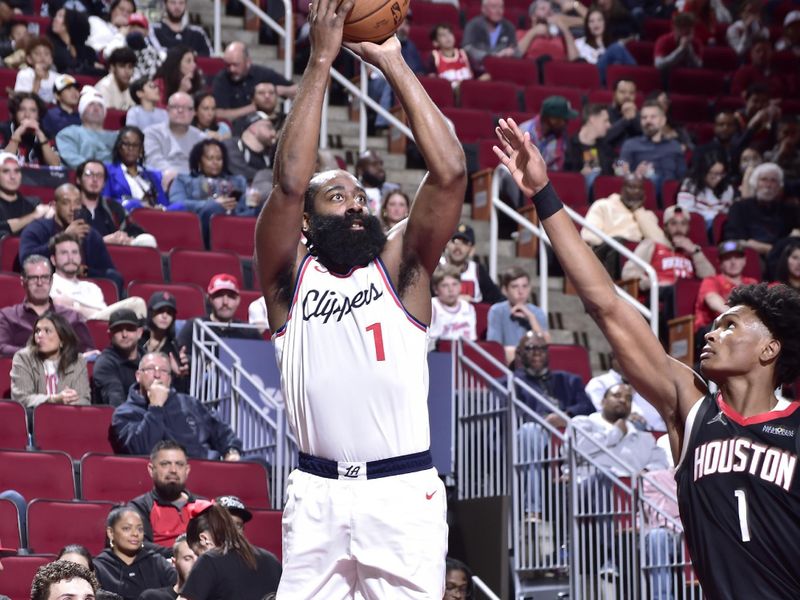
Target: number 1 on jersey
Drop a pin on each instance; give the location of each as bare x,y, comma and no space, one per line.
741,500
377,336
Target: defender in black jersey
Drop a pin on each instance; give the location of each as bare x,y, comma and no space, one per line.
738,482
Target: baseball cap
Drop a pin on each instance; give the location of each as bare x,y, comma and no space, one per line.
223,281
139,20
671,211
730,247
63,82
235,506
160,300
89,95
123,316
242,123
791,17
464,232
559,107
4,156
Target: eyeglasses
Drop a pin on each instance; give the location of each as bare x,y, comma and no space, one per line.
94,174
178,108
38,278
457,591
155,369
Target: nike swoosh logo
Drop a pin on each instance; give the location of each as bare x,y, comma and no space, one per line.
429,496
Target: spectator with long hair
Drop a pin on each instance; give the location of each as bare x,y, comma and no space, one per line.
179,73
707,190
228,566
210,188
458,580
788,268
125,566
205,117
596,46
23,135
159,336
129,182
395,207
50,368
68,33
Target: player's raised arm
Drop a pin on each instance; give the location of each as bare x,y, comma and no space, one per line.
670,386
279,224
437,207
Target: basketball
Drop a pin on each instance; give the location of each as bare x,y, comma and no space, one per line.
374,20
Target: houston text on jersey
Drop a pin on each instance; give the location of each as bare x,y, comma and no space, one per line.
740,455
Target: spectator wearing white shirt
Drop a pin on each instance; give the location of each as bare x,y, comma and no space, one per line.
452,318
39,76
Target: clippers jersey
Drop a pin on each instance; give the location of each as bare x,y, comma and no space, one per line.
739,499
354,366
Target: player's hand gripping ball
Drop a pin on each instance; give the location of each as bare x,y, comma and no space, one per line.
374,20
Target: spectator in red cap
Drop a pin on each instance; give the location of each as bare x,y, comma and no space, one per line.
224,299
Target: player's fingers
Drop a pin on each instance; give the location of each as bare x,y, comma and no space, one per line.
344,9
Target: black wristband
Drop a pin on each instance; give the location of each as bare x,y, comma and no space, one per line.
547,202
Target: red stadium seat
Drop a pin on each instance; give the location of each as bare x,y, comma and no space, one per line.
697,229
210,65
190,297
195,266
728,104
720,58
685,291
172,229
513,70
571,74
11,291
5,377
535,95
646,79
700,82
247,296
470,125
75,430
115,119
605,185
495,96
53,524
571,188
10,534
13,425
8,77
641,50
482,319
99,331
494,349
264,530
9,249
432,13
114,478
108,287
136,262
235,234
37,474
487,159
702,133
653,27
440,90
572,358
689,109
247,480
717,226
45,194
17,574
669,192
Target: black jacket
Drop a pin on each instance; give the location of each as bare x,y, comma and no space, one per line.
109,217
112,378
148,570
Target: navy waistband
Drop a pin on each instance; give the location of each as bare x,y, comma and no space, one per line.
374,469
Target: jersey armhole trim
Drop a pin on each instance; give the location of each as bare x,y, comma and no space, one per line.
688,430
396,297
300,272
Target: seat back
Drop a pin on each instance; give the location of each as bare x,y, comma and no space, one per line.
18,573
98,329
481,319
172,229
571,74
10,535
13,425
247,480
5,376
9,249
264,530
495,96
137,262
685,291
646,78
109,289
571,188
199,266
114,478
189,297
571,358
53,524
234,234
37,474
440,91
247,297
513,70
75,430
471,125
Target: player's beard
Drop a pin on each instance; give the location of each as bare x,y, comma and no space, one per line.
339,247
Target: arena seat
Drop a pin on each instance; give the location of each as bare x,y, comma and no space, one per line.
685,295
247,296
571,188
652,27
699,82
247,480
470,125
487,159
481,319
440,91
571,74
5,377
137,262
689,108
535,95
234,234
641,50
717,226
571,358
75,430
8,77
264,530
210,65
494,349
669,192
53,524
495,96
13,425
189,297
115,119
720,58
646,78
513,70
17,574
195,266
10,534
432,13
98,329
108,287
113,478
45,194
9,249
172,229
697,229
37,474
11,291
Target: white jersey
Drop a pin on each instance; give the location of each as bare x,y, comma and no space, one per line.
452,322
353,362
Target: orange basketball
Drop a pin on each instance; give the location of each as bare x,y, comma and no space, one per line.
374,20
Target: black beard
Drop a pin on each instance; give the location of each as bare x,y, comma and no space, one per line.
169,491
339,247
371,180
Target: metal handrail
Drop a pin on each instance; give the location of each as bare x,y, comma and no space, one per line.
650,313
479,583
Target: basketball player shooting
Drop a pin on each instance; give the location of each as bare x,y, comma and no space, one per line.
738,488
365,512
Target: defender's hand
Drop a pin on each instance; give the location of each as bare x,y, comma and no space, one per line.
520,157
326,18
